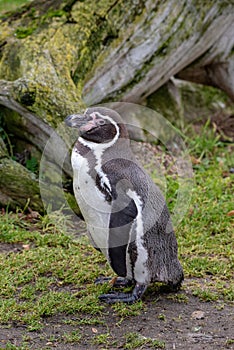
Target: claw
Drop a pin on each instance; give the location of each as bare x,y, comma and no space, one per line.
128,298
121,282
102,280
116,282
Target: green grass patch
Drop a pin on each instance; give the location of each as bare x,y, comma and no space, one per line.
36,282
178,298
136,341
71,337
205,235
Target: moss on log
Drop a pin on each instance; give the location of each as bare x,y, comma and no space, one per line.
18,187
58,56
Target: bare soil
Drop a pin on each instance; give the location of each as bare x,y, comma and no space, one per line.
163,318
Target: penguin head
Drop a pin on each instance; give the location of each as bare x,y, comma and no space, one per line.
98,125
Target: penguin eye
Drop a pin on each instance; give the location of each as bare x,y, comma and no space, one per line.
101,122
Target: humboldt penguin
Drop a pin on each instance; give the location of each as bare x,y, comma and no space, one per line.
125,212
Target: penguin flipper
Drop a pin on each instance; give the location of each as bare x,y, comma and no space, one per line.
129,298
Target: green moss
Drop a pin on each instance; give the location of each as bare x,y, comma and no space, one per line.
14,127
22,32
211,95
165,103
107,21
22,188
44,62
201,101
54,13
10,63
94,31
174,31
3,149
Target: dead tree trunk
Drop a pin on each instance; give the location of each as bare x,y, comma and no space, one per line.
57,56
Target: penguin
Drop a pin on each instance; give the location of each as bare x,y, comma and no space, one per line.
125,212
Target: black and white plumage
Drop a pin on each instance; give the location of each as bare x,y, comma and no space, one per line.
126,214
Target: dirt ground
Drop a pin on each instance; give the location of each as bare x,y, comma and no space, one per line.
191,325
179,330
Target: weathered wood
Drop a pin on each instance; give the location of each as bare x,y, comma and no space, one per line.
156,47
57,56
18,186
29,126
216,66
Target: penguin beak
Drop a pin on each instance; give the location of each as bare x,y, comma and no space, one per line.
75,120
84,123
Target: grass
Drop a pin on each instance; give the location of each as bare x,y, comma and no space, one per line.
33,282
206,233
136,341
9,5
52,274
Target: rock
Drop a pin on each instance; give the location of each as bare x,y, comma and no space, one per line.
198,315
200,338
180,101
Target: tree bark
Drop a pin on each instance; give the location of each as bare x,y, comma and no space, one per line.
185,38
58,56
18,186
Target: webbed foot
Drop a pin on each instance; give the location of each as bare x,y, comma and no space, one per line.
129,298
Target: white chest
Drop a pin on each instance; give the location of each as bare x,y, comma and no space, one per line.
95,210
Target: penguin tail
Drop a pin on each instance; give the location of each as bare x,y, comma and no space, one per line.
176,286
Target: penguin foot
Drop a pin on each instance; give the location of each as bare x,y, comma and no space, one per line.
116,282
129,298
